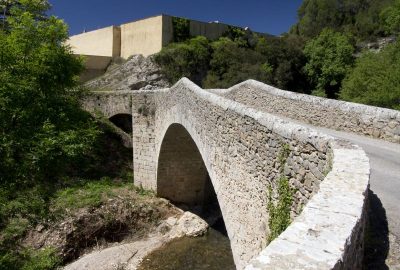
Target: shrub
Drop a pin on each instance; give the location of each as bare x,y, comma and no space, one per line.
375,79
188,59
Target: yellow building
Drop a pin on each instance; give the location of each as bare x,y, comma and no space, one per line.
145,37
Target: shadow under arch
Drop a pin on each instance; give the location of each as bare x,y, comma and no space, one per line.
123,121
182,177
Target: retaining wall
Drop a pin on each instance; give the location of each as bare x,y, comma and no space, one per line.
102,42
142,37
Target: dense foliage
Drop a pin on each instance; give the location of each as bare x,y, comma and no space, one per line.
41,124
330,56
361,18
391,18
181,29
238,56
286,59
186,59
232,62
44,135
375,79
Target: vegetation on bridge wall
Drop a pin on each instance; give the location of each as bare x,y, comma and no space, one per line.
279,209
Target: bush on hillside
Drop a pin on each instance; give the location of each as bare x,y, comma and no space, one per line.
186,59
391,18
375,79
357,17
231,64
330,56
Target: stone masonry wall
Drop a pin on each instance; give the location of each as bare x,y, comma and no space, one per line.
108,103
144,151
139,104
240,148
181,173
329,232
340,115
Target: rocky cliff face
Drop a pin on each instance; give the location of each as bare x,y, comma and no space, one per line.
137,73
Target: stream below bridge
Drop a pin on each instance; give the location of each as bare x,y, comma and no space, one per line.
211,252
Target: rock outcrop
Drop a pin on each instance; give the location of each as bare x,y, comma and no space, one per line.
137,73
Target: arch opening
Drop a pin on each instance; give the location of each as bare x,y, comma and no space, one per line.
182,177
123,121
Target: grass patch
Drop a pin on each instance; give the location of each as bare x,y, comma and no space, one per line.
43,259
27,259
88,194
15,228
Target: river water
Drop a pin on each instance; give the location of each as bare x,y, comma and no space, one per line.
211,252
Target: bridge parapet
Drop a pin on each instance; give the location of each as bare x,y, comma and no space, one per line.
340,115
329,233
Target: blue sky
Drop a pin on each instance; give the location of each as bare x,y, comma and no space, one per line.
270,16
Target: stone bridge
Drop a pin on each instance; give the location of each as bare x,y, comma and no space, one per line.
188,142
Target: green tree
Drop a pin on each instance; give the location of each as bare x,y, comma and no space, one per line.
231,63
375,79
187,59
43,131
315,15
329,59
391,18
357,17
42,128
286,58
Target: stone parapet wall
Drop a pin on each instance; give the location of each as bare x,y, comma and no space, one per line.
329,232
108,103
340,115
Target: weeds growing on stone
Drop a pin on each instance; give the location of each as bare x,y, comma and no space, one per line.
279,211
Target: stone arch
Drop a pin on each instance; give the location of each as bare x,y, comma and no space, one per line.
182,176
123,121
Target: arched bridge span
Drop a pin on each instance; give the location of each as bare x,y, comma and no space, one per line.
185,135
